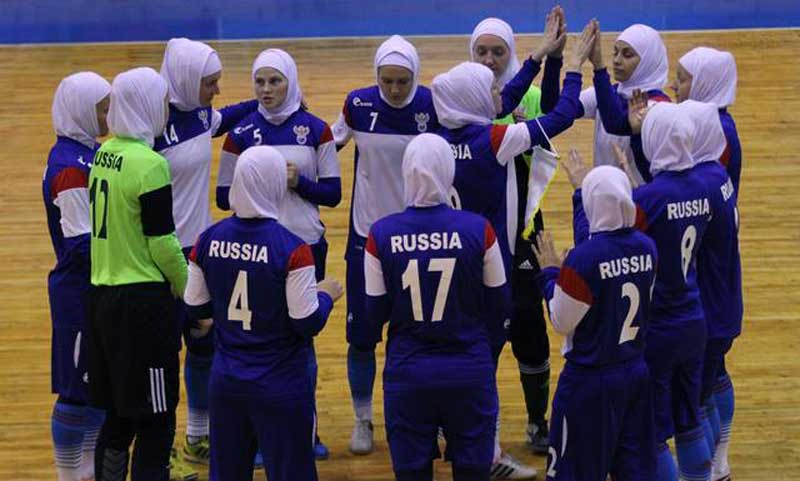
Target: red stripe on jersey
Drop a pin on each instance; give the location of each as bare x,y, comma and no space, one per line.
346,113
489,237
496,136
574,286
641,220
230,146
301,257
193,254
327,135
69,178
659,97
725,159
371,247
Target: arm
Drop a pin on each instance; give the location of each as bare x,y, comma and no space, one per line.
515,89
196,296
69,193
613,109
233,114
497,291
308,308
159,230
367,332
642,164
567,296
580,224
227,164
551,83
342,130
327,190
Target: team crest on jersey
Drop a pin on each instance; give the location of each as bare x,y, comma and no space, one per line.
360,103
203,116
301,131
422,119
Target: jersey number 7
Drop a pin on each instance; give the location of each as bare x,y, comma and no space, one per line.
411,281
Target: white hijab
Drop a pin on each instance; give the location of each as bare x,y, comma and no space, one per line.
607,199
259,183
500,29
185,64
653,68
709,138
283,63
137,105
75,106
429,168
399,52
667,135
463,95
713,75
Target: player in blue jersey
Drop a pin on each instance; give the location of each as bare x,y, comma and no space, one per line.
437,276
640,67
257,280
674,210
719,276
80,106
492,44
192,71
381,119
599,299
304,140
709,75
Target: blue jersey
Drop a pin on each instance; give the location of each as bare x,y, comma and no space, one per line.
719,269
674,210
257,275
732,157
381,133
600,297
430,270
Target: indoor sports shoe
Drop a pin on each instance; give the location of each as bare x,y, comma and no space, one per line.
198,452
361,441
320,450
538,437
179,470
509,468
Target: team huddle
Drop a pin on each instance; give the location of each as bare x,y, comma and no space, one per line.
446,245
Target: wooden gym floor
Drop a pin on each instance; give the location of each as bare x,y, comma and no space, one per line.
764,362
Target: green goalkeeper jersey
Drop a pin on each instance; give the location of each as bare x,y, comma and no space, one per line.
133,234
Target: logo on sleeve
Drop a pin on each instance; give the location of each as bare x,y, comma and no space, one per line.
422,119
360,103
301,131
203,116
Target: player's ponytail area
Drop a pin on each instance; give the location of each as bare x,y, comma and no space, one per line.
763,362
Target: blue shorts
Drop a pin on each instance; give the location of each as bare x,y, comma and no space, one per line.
714,364
602,423
467,415
675,357
69,376
242,420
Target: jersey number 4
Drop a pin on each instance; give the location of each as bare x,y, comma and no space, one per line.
411,281
238,307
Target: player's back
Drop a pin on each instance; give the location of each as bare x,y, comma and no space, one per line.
246,264
433,267
674,210
613,272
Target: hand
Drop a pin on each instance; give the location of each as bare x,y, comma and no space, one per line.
202,329
520,115
331,287
292,175
596,55
562,33
624,164
583,47
637,109
576,168
545,251
551,38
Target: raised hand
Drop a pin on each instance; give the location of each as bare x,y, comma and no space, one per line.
583,47
562,32
625,165
551,38
596,55
637,109
576,168
545,251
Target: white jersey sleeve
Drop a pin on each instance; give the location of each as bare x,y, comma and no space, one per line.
327,159
508,141
589,101
342,133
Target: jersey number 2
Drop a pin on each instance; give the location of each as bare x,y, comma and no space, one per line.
411,281
629,331
238,307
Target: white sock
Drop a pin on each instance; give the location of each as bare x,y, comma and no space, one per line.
68,463
87,457
498,452
363,409
196,424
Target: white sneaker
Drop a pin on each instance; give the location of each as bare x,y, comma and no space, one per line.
361,441
509,468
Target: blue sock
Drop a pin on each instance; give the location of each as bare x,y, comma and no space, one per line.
713,419
665,465
68,424
196,372
361,374
708,431
694,458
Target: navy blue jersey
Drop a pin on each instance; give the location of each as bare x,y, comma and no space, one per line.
258,275
719,269
431,269
600,297
732,157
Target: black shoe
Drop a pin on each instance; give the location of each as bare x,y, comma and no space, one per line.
538,437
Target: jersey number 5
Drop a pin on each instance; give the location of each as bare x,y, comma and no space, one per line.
411,281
